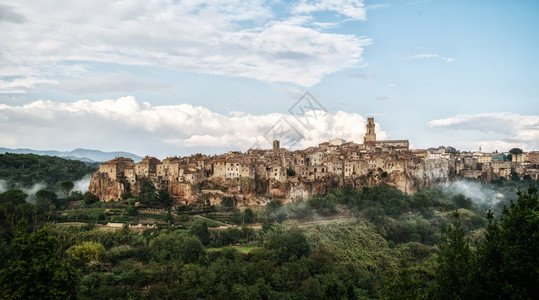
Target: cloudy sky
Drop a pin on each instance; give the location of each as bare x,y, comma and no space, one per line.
165,77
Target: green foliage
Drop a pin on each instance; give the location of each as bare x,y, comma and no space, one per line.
508,257
151,197
407,283
228,202
90,198
164,199
462,201
75,196
37,272
67,186
502,265
325,206
131,210
46,196
86,253
454,264
147,193
168,247
13,197
29,169
356,245
183,218
274,211
290,172
126,195
249,216
338,259
391,200
289,245
515,151
199,229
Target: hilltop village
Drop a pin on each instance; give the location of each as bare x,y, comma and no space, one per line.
257,176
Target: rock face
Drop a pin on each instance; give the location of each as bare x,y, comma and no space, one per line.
425,173
106,188
418,173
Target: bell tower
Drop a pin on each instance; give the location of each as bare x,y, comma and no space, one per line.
370,136
276,145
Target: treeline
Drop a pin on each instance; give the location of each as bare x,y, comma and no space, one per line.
388,245
26,170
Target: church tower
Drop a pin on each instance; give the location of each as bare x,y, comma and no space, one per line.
276,145
370,136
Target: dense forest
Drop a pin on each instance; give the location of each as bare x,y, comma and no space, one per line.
346,244
26,170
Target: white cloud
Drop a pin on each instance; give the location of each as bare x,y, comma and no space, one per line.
9,14
127,124
226,37
353,9
428,55
376,6
508,129
22,85
362,76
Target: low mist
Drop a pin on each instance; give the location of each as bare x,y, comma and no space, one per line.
481,194
31,191
83,183
3,186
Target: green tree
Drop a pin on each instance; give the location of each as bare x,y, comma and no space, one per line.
508,257
290,172
227,202
165,247
13,196
323,205
454,264
291,244
462,201
37,272
90,198
200,229
148,193
67,186
164,198
76,195
190,249
515,151
86,253
248,215
46,196
406,283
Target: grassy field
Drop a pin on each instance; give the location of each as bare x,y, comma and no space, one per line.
243,248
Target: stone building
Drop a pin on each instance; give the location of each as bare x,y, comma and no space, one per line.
115,168
147,166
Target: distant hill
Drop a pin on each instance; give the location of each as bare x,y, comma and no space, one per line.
85,155
45,171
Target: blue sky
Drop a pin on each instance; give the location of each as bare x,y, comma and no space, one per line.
173,78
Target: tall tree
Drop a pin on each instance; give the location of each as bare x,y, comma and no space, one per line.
454,263
514,248
37,272
13,196
67,186
515,151
46,196
199,229
148,193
